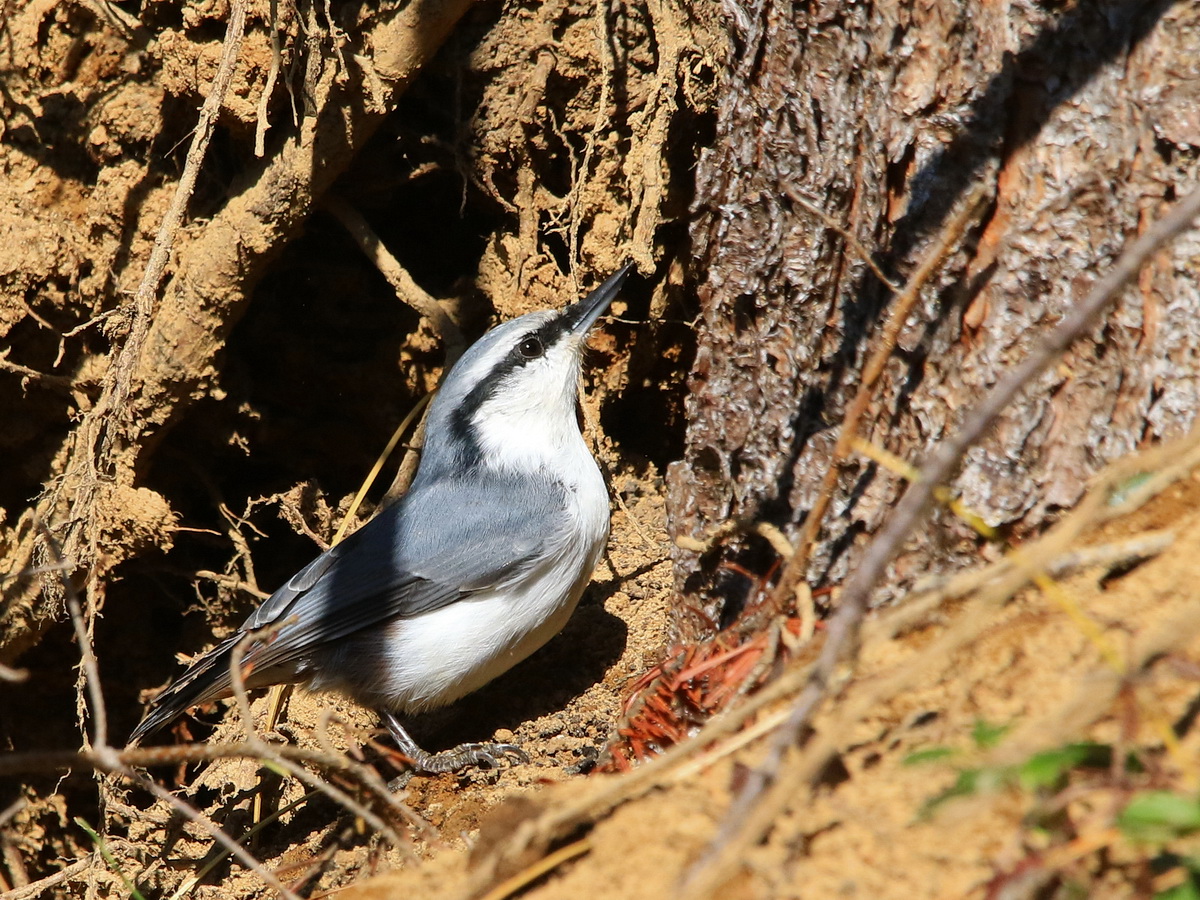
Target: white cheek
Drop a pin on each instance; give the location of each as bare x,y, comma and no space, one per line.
530,425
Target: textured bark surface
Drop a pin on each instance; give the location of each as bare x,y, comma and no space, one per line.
1081,122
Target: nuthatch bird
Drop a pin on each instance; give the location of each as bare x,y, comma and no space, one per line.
475,568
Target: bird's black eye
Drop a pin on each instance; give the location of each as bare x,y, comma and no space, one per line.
531,347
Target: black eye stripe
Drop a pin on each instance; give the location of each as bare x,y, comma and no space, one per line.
548,333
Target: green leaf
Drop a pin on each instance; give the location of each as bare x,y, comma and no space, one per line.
130,885
1125,489
1159,816
1047,769
967,783
931,754
987,736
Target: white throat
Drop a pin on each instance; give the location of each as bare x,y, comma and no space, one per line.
522,434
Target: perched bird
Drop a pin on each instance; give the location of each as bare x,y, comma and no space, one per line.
479,565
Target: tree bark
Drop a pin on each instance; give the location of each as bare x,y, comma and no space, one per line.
1082,124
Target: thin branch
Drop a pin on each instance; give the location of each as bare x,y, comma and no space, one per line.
846,234
844,626
43,761
45,379
215,831
91,669
232,581
40,887
267,752
108,759
949,238
407,290
147,291
264,100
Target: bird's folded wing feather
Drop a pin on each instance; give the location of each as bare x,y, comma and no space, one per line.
439,545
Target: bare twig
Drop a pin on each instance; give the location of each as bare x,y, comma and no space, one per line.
537,869
405,423
844,626
7,814
935,590
407,290
949,238
91,670
147,290
267,752
45,379
232,581
412,294
215,831
40,887
793,194
264,101
108,758
170,756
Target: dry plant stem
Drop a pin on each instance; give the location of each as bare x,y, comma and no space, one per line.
743,826
607,65
407,469
410,293
263,123
407,290
349,803
846,234
121,762
897,316
40,887
405,424
241,698
536,870
1169,462
147,291
91,669
1102,556
232,581
214,273
58,382
31,762
1003,579
190,812
266,752
109,757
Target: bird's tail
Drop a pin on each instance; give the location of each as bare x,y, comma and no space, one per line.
206,679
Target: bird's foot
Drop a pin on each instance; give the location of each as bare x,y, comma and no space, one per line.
466,755
461,757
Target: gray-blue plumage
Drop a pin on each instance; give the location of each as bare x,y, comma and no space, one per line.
481,562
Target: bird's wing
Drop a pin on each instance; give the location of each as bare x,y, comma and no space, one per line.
442,543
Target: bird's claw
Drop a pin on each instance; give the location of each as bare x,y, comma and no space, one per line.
465,755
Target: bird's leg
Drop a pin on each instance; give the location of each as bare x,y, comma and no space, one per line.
460,757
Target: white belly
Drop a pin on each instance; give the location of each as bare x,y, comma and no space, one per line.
437,657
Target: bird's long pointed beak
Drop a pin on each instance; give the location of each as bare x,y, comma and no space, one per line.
580,317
